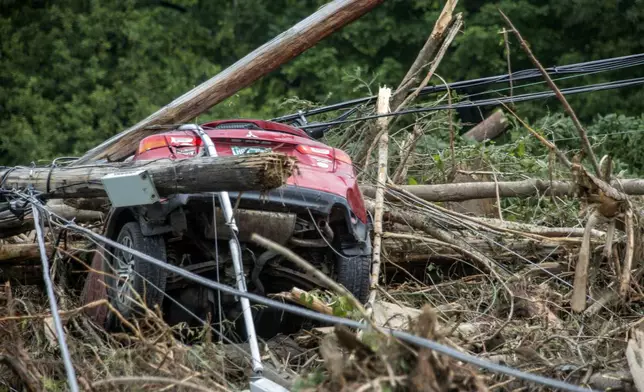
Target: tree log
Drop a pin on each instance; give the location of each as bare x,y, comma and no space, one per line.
101,204
243,73
484,190
488,129
20,253
407,248
206,174
10,225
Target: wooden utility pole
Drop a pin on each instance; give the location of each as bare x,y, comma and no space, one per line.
243,73
207,174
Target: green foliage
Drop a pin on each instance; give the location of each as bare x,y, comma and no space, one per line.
616,135
73,73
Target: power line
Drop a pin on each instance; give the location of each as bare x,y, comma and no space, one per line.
58,325
493,101
430,344
595,66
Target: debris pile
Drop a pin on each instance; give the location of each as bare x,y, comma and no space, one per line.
522,274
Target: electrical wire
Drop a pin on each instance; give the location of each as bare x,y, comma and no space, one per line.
494,101
58,325
596,66
430,344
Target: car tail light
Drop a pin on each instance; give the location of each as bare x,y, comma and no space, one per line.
319,151
152,142
177,141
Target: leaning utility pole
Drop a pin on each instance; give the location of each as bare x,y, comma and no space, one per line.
243,73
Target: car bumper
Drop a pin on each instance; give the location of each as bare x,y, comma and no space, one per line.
290,198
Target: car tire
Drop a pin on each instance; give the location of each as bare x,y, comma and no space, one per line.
127,273
354,273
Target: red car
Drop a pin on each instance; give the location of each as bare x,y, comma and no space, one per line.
319,214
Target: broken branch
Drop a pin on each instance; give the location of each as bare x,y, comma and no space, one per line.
580,129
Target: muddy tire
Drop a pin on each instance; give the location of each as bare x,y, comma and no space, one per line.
354,272
128,274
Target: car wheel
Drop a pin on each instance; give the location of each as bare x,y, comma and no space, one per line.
354,273
129,275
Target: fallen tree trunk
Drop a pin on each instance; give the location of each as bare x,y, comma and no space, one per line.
488,129
485,190
207,174
101,204
11,253
10,225
243,73
414,248
20,253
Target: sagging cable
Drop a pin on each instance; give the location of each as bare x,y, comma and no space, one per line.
58,325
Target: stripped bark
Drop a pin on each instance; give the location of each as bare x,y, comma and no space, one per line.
578,299
625,279
384,96
610,234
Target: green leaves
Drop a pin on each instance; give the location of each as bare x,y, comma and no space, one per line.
74,73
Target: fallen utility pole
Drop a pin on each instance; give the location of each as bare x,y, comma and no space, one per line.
243,73
485,190
470,190
206,174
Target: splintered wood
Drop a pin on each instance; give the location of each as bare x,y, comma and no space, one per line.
384,96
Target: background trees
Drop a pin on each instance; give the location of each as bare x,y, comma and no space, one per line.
74,72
